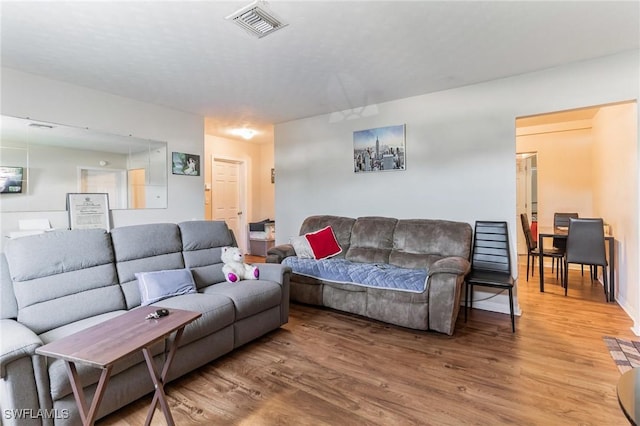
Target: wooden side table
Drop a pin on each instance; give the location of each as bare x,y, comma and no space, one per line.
102,345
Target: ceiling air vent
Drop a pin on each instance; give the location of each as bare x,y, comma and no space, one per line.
256,20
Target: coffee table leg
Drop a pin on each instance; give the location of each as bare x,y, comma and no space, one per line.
88,415
158,381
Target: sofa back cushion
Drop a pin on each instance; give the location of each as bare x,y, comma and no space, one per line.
63,276
202,243
417,243
372,239
144,248
341,227
8,304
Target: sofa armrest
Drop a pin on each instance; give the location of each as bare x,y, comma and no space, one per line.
274,272
446,278
24,382
450,265
280,274
17,342
278,253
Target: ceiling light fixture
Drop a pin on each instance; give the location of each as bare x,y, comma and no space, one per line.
244,133
256,20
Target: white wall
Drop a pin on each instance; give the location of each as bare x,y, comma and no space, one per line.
615,130
565,172
265,208
460,149
27,95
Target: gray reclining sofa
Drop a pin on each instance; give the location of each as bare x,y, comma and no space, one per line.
57,283
379,256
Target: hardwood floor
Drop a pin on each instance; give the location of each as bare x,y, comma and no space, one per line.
329,368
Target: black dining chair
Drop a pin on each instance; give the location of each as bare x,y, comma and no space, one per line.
533,252
490,263
561,220
585,246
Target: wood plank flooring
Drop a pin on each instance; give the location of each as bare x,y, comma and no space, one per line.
330,368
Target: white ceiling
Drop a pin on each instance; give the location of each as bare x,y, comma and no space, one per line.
333,55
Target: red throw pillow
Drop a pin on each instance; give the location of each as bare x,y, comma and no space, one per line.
323,243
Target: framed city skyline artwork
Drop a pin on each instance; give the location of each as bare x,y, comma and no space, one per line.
380,149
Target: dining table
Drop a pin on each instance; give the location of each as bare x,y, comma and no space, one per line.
563,232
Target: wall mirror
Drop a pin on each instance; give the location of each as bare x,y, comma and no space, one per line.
41,162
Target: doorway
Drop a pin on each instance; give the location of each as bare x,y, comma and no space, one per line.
137,186
587,162
526,195
228,197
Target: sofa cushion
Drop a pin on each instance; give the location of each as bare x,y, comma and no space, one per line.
144,248
204,234
73,268
202,242
376,275
421,242
341,228
217,313
157,285
323,243
371,239
249,296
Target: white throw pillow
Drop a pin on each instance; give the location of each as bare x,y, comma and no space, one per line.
302,247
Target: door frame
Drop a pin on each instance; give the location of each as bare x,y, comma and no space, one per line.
525,177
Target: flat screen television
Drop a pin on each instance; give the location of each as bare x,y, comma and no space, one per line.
11,180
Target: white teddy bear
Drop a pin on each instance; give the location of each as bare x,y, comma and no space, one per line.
234,268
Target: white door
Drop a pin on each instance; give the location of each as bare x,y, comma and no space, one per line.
111,181
226,200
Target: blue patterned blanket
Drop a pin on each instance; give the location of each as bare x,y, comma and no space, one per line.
365,274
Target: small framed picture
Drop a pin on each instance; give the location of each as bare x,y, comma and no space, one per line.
88,211
185,164
379,150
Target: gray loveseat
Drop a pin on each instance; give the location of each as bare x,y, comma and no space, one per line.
60,282
382,254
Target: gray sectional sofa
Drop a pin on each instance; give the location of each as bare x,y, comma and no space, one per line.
379,256
60,282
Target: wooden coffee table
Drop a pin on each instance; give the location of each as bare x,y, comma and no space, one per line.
102,345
